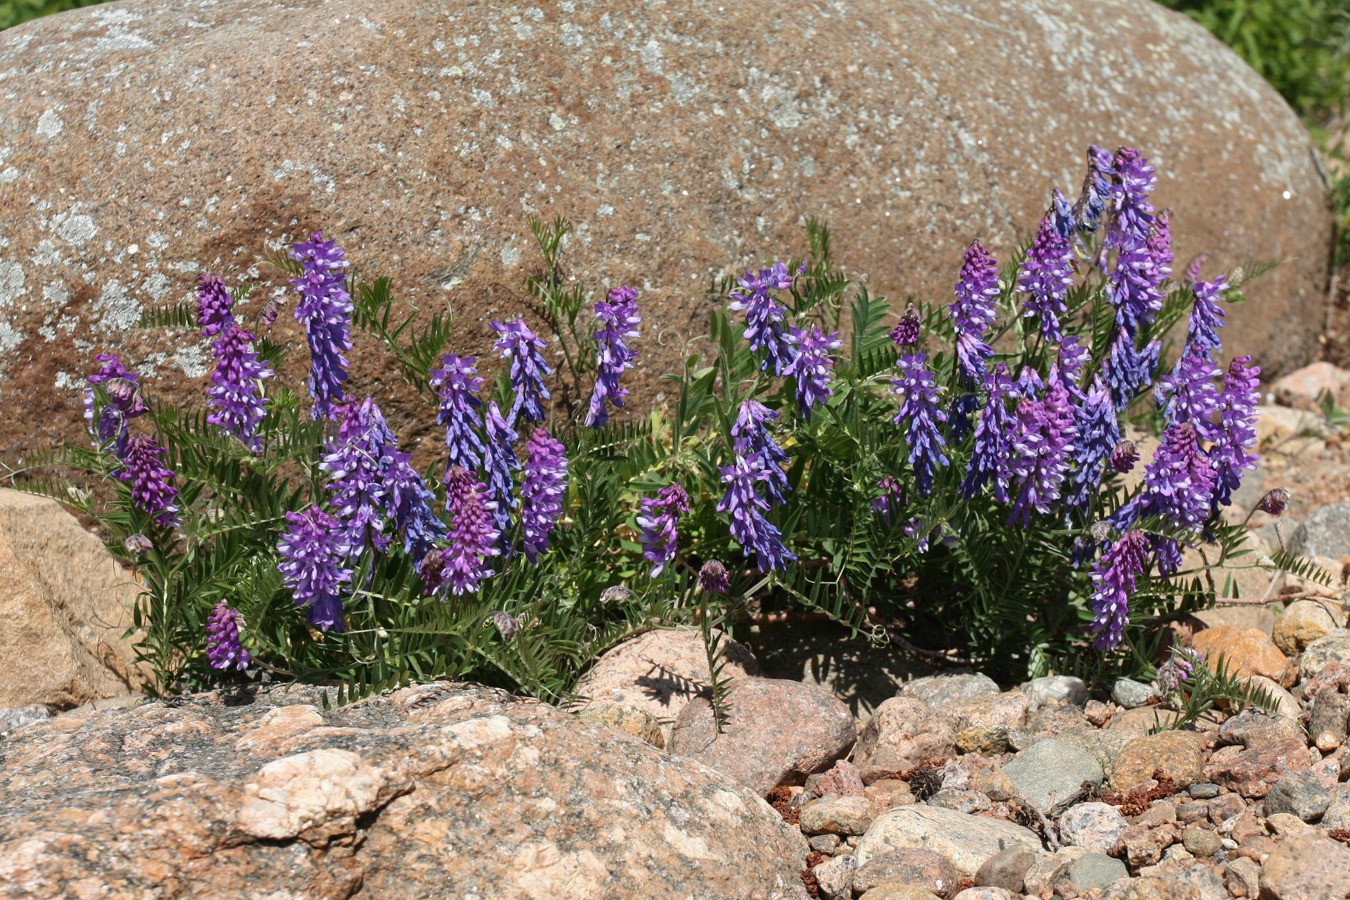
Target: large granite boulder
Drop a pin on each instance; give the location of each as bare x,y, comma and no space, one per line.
144,142
438,790
66,605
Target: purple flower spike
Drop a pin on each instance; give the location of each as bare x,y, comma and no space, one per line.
992,456
813,366
973,310
1124,457
765,328
1132,211
223,649
1046,276
659,520
457,383
619,319
525,351
462,566
1237,428
751,437
890,497
1202,332
356,463
214,304
311,567
906,332
755,533
1178,483
123,402
1041,444
1098,429
410,503
1114,578
1188,393
921,416
1193,269
325,309
1061,215
152,488
1128,369
713,578
542,492
236,391
501,462
1096,190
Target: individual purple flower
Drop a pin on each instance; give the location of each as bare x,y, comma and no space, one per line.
755,533
223,649
750,436
1046,276
236,387
1193,269
1188,393
1062,217
542,492
1114,577
121,402
312,551
659,520
462,566
214,313
1202,332
1041,446
1124,457
889,498
920,414
1128,368
973,310
619,319
411,504
1098,428
457,384
325,309
270,309
525,351
1073,358
765,325
152,489
1178,669
500,461
356,462
1132,212
1096,190
906,331
991,459
813,366
713,578
1273,502
1236,435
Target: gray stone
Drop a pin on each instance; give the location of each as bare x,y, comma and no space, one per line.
1130,693
950,687
1051,773
984,893
1050,868
1337,814
1299,794
837,815
1308,866
968,841
1007,869
1056,690
824,843
835,877
1333,647
1201,841
1096,826
1327,726
1096,870
681,148
15,716
1324,533
925,869
902,733
1203,791
966,801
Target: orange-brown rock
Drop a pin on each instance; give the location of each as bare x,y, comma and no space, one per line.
437,790
141,144
1246,651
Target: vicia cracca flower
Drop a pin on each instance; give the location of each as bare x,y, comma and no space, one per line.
457,385
223,649
525,351
659,521
311,567
542,492
325,309
236,387
619,319
152,484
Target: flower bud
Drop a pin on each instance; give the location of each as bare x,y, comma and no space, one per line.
1124,457
507,625
713,578
1274,501
906,334
137,545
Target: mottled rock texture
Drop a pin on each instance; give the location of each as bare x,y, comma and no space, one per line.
141,143
433,791
65,604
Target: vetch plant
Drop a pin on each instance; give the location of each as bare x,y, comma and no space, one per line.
950,478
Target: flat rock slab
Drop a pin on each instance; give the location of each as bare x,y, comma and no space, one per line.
140,144
968,841
432,791
1053,774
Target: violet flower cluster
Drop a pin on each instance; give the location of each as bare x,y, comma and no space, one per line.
325,309
922,418
153,491
457,384
223,648
312,555
524,350
619,319
541,494
757,536
659,521
236,387
813,366
122,401
462,566
750,437
766,329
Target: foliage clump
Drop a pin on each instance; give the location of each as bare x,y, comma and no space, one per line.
954,478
